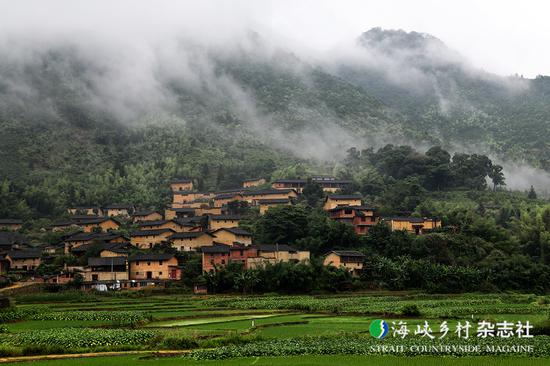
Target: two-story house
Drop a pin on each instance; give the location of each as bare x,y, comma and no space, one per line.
350,259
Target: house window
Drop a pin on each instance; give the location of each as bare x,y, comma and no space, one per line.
160,273
137,263
211,261
223,261
160,263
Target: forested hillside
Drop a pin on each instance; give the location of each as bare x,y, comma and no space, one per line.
447,101
81,129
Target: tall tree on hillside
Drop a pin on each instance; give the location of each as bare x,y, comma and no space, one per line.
282,225
532,194
312,193
497,176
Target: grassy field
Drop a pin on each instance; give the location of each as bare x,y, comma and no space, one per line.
234,330
329,360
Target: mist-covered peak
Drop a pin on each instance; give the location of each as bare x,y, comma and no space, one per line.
421,49
392,39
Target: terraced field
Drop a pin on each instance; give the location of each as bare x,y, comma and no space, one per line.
226,329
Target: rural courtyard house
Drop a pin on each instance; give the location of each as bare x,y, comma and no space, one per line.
208,211
223,199
415,225
274,253
119,210
114,249
190,241
25,260
350,259
253,197
10,240
330,183
253,182
103,224
296,184
336,200
146,239
78,239
106,269
214,256
327,183
147,215
181,185
222,221
162,224
181,197
231,235
85,210
250,256
361,217
154,266
179,213
86,223
266,204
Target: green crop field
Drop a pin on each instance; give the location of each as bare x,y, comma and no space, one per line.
329,360
266,330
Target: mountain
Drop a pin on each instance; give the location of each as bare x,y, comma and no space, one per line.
445,100
81,125
75,130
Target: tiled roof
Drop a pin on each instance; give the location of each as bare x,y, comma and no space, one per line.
151,257
106,261
150,232
218,248
25,254
348,253
11,222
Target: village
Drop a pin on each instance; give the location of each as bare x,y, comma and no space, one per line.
194,222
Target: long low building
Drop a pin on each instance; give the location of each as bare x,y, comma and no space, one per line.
415,225
137,267
250,256
327,183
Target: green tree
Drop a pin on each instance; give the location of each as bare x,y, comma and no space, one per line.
497,176
312,193
282,225
532,193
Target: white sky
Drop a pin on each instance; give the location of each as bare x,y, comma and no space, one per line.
503,36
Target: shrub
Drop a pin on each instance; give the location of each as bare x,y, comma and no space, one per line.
232,339
410,310
4,302
9,351
542,328
178,343
41,349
